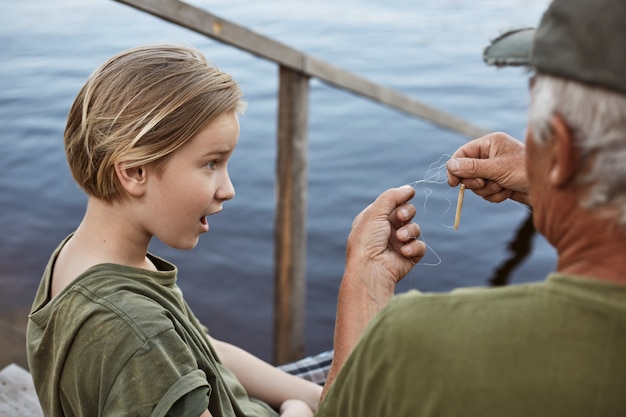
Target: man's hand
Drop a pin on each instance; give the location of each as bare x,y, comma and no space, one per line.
494,167
383,244
382,248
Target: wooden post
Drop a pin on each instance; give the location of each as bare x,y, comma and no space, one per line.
290,227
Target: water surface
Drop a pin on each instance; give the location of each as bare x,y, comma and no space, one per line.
428,50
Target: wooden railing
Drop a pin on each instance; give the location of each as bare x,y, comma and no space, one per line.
296,68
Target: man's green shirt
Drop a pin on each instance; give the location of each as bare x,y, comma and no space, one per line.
555,348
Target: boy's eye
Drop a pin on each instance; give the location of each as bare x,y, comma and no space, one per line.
211,164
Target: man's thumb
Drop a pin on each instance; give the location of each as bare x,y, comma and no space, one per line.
469,168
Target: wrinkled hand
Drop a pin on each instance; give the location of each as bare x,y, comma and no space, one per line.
382,248
493,167
383,243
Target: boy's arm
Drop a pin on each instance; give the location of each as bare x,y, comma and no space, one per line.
254,374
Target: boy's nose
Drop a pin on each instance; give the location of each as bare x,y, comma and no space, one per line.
227,190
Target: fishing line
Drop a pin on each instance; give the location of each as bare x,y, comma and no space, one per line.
435,174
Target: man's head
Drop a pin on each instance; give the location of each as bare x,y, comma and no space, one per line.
579,40
139,107
579,56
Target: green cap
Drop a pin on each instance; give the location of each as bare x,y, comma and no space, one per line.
581,40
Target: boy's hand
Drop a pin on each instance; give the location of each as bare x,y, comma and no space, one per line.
295,408
494,167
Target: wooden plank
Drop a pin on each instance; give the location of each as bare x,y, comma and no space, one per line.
208,24
17,393
345,80
222,30
290,229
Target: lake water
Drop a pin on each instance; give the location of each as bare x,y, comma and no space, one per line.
428,50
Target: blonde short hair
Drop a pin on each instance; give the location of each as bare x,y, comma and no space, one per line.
139,107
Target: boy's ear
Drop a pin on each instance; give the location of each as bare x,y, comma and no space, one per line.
566,157
132,179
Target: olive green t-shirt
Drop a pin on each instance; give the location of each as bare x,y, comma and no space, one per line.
122,341
555,348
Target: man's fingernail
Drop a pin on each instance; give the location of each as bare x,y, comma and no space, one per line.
454,165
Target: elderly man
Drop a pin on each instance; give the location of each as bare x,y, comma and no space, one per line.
552,348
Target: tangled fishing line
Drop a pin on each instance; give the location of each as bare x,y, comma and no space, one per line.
435,175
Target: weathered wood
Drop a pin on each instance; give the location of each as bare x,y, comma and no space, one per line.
17,393
345,80
290,230
208,24
222,30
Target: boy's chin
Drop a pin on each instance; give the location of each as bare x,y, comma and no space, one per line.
184,245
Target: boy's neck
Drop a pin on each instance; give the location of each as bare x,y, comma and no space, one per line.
106,235
109,233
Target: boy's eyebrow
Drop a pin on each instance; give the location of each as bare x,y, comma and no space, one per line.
223,151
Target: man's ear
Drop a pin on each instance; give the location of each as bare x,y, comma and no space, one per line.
132,179
566,156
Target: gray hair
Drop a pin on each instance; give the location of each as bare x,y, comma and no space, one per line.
596,118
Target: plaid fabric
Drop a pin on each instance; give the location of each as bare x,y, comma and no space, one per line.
314,368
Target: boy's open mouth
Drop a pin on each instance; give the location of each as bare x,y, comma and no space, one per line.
203,220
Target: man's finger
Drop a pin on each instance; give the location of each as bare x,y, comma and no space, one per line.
390,199
469,168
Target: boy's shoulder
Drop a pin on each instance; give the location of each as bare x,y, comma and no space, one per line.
110,328
141,300
132,300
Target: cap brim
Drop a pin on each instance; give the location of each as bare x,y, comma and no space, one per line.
511,48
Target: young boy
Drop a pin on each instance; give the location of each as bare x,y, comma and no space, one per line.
148,138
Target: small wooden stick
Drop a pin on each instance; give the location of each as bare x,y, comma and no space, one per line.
459,205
